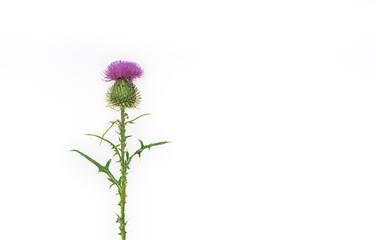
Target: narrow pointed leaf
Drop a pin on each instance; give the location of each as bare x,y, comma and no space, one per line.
132,121
109,142
112,124
108,164
143,147
100,167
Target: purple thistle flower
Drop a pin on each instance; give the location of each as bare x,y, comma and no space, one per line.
122,70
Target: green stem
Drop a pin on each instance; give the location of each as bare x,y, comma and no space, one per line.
123,179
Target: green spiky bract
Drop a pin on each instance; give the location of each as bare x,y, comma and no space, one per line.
122,96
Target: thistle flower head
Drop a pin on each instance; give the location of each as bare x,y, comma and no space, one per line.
122,70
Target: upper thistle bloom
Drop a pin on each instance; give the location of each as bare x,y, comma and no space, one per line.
123,93
122,70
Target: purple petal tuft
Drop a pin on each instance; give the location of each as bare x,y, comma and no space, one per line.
122,70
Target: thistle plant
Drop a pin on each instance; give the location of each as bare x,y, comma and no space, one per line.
121,95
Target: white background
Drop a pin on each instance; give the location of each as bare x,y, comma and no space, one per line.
270,106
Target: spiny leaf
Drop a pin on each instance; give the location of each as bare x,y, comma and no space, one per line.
132,121
112,124
100,167
156,144
109,142
142,144
111,184
143,147
108,164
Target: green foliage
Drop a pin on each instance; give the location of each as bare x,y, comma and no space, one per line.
112,124
124,157
144,147
101,168
103,139
132,121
